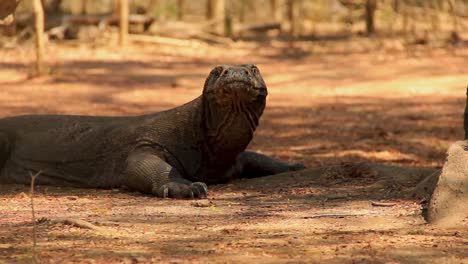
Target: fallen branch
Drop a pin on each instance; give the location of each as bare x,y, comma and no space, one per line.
164,40
259,27
212,38
383,204
328,215
81,224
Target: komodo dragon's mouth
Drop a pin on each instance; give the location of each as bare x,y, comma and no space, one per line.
243,85
236,84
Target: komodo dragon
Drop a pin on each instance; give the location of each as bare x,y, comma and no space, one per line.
173,153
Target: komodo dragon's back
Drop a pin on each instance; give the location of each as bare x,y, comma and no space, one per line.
67,150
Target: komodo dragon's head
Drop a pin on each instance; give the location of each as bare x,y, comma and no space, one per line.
236,88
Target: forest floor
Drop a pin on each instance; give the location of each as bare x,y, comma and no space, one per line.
323,109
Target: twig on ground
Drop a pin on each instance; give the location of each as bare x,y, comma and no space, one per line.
383,204
331,215
33,180
81,224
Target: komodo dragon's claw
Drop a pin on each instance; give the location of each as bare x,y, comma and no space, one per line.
183,190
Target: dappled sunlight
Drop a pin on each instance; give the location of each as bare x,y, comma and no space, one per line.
345,163
374,155
321,111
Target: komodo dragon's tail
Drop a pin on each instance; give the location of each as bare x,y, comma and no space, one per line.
465,119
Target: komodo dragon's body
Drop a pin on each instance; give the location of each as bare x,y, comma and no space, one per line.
169,154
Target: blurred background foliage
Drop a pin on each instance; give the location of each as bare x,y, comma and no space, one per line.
298,18
378,24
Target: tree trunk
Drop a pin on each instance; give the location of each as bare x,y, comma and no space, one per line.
54,6
180,9
453,11
216,9
276,10
371,6
84,7
465,120
123,36
405,16
434,4
293,17
209,9
396,6
243,4
39,28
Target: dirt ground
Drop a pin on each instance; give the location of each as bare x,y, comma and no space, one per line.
323,109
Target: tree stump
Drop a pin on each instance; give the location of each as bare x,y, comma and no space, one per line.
449,203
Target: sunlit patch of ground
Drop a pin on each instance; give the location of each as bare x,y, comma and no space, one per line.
322,110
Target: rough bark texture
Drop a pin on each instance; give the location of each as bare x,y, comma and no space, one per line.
168,154
449,202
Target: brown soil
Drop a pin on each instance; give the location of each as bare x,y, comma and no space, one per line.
322,110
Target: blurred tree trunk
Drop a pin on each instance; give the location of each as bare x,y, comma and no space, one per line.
115,8
54,6
396,6
405,16
435,20
123,36
216,9
209,9
453,11
84,7
465,119
242,8
276,13
39,28
180,9
371,6
293,17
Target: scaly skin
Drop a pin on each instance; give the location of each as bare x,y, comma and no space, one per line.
173,153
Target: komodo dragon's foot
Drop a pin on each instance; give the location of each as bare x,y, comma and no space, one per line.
182,190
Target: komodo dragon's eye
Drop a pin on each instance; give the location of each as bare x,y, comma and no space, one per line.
255,70
217,71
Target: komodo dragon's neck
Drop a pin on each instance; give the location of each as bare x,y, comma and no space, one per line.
203,137
222,131
228,126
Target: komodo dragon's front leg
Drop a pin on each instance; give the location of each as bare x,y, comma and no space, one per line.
251,164
147,172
